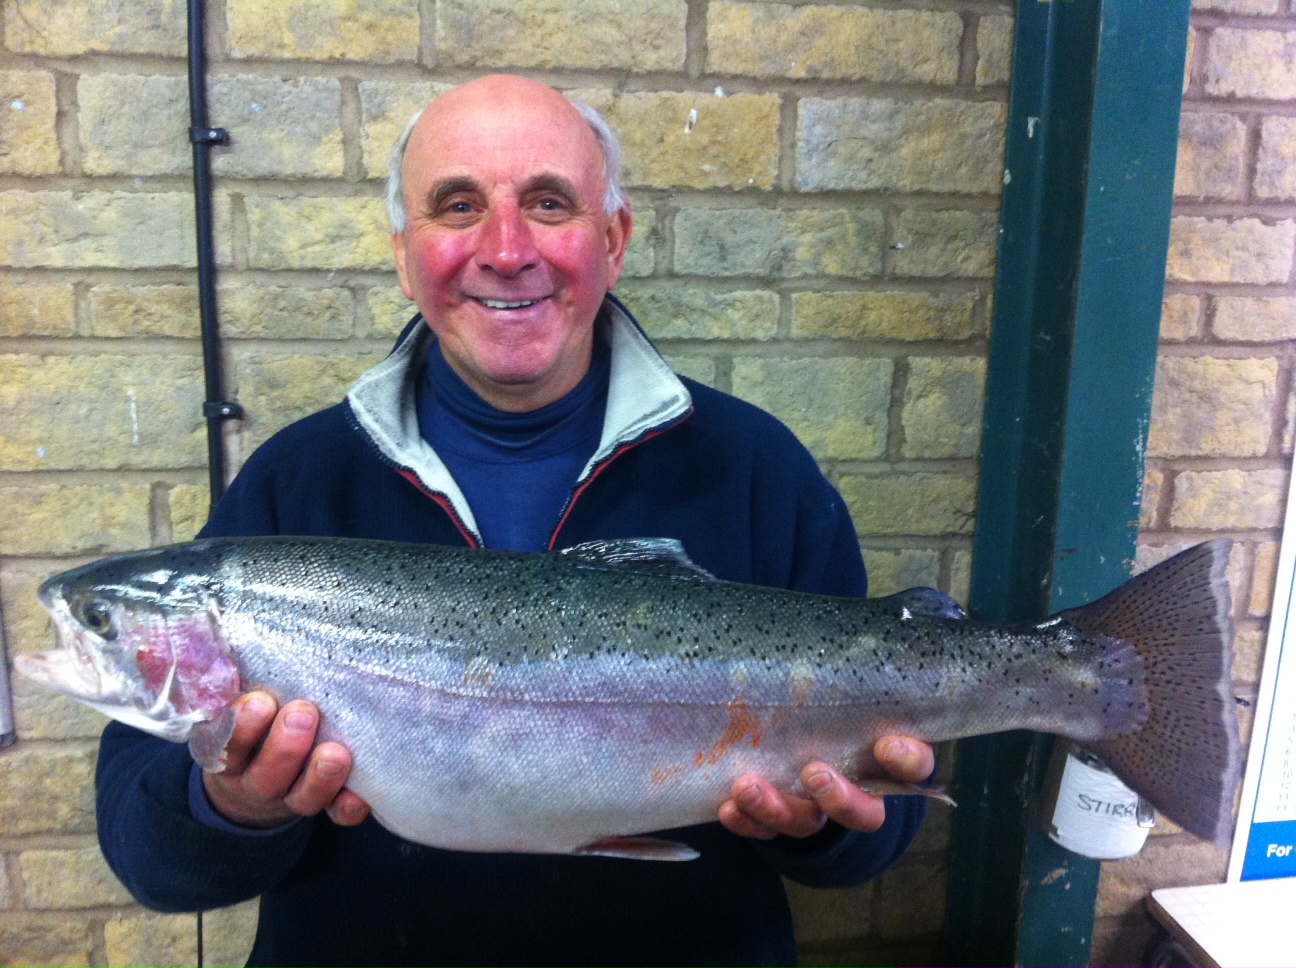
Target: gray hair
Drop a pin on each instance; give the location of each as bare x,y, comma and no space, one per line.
614,199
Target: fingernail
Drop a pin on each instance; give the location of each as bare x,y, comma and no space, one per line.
819,782
329,768
259,706
750,797
895,749
299,722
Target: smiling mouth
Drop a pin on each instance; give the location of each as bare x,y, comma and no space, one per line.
503,304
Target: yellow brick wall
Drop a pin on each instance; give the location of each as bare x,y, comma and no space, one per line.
1220,446
805,243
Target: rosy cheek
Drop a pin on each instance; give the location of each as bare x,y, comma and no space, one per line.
154,658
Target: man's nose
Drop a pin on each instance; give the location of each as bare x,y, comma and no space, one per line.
506,244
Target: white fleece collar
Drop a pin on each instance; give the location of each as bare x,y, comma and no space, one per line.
643,394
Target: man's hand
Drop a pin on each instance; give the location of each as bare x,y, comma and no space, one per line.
272,783
758,810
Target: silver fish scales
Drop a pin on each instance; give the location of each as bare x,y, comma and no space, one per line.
565,702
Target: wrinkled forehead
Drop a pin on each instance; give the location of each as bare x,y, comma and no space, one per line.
470,134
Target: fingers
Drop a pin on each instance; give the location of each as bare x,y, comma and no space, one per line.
255,712
905,758
758,810
841,800
286,775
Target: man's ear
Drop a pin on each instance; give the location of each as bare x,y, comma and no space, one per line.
398,248
620,225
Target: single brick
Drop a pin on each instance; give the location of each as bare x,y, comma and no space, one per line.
1125,884
692,140
942,407
938,244
385,108
1228,500
64,28
1229,250
1212,156
27,626
318,233
376,31
1289,424
190,506
893,571
884,315
1263,578
960,587
994,50
40,713
1248,654
1276,162
74,518
151,939
28,139
878,144
37,309
831,915
632,35
112,110
1207,407
386,311
841,43
906,503
768,242
1255,319
837,407
279,127
229,933
1251,64
906,892
275,390
698,368
110,230
285,312
44,939
67,879
46,790
639,258
164,310
1150,499
675,313
1181,318
103,412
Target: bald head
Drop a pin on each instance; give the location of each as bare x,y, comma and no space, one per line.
501,95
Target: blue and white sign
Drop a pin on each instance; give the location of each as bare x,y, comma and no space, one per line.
1265,843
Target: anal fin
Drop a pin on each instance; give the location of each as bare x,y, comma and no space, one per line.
637,848
207,740
881,787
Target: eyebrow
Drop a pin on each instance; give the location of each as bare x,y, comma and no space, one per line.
545,182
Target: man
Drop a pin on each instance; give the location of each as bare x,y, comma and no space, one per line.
529,412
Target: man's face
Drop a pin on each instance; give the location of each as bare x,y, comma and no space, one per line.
507,250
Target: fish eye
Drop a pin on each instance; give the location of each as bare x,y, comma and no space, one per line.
98,620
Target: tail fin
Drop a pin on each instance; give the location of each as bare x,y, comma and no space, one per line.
1186,759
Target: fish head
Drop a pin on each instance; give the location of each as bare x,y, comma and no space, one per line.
140,641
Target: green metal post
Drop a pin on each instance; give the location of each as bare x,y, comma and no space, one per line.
1093,125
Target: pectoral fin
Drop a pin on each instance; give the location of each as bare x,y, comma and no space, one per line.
208,739
637,848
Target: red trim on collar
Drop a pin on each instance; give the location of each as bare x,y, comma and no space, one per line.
443,501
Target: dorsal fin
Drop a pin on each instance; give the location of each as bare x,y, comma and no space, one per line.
927,603
653,556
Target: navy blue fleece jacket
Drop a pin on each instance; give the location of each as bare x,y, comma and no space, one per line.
748,503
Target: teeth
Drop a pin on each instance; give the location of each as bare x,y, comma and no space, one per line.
498,304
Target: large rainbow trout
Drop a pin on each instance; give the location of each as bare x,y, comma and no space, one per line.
567,702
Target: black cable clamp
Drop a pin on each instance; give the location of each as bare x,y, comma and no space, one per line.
222,410
209,136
